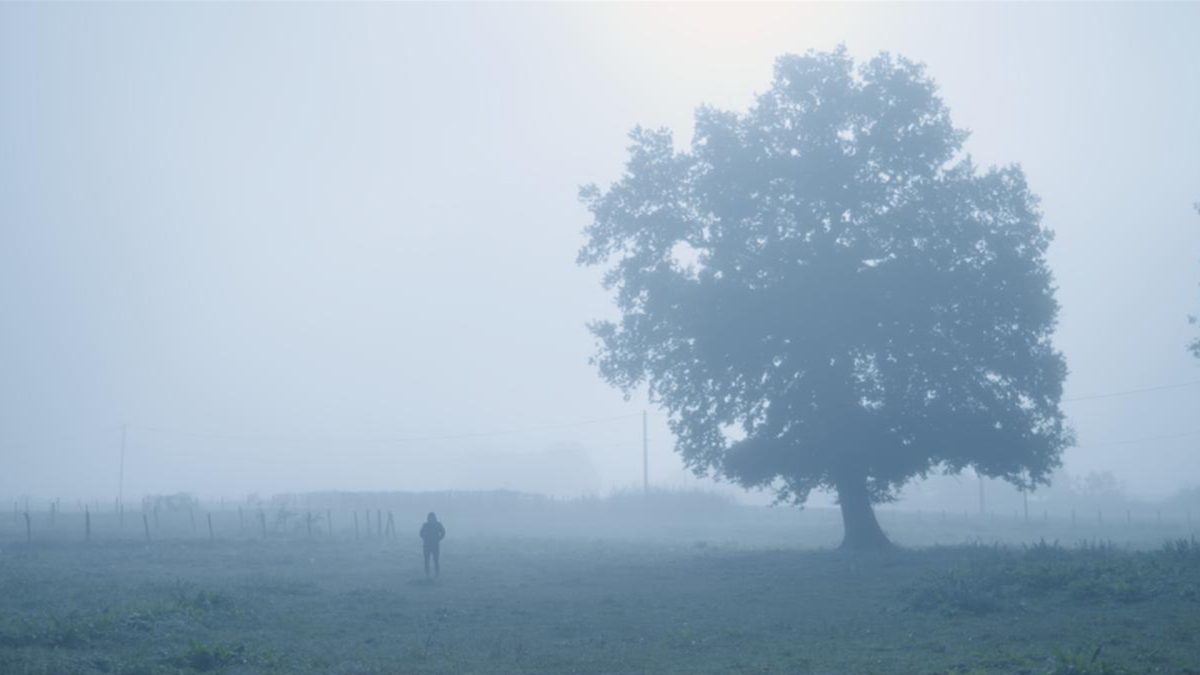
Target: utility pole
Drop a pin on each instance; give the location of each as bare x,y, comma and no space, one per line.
645,458
121,481
1025,497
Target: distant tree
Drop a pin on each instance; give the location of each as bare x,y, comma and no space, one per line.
1187,497
1100,485
823,295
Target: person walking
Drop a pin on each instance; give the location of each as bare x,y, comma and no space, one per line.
432,534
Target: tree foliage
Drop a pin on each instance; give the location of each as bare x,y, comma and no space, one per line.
823,292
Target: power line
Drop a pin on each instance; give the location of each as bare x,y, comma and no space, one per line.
1127,392
1166,437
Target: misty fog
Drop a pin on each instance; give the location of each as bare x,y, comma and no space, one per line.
374,338
305,247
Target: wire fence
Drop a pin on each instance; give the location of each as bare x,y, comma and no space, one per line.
682,516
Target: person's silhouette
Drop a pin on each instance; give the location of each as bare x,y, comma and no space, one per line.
432,534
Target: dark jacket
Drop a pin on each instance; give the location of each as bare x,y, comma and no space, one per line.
432,533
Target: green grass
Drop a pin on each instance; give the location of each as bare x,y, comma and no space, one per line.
525,605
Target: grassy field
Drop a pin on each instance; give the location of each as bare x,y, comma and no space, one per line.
715,595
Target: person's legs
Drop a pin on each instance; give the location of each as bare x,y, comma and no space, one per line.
437,563
428,552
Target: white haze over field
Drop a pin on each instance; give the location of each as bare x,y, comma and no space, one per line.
327,246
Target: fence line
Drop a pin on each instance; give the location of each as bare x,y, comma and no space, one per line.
313,517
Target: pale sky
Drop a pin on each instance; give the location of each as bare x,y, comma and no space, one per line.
277,240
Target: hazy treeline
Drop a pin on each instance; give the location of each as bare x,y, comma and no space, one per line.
1087,493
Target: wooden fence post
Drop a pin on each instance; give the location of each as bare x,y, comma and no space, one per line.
210,530
87,524
262,519
53,513
28,530
356,523
379,522
329,521
146,526
391,526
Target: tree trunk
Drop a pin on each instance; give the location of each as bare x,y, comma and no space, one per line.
862,531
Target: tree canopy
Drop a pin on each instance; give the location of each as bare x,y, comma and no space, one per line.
822,292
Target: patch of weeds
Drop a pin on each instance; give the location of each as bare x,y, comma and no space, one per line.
1107,585
1182,550
138,667
141,621
67,631
270,659
202,602
70,631
280,586
961,590
682,638
15,633
1083,662
1093,573
204,657
422,648
184,599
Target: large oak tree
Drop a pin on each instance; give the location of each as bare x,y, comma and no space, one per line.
823,293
